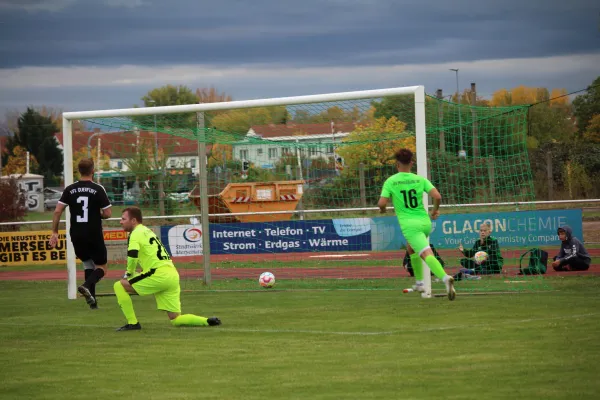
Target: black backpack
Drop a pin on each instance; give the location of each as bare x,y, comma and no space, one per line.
538,262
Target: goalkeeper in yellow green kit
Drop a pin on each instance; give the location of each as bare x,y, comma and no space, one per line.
406,191
158,277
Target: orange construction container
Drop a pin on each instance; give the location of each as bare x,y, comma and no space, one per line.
252,197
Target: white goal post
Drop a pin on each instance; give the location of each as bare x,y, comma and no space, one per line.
68,117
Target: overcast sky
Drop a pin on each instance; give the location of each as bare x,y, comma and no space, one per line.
89,54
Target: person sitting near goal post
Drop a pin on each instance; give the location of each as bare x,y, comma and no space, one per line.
89,204
572,255
492,265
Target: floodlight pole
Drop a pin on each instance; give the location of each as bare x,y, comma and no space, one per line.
461,151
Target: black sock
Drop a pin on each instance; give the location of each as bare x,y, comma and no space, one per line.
94,277
91,287
88,272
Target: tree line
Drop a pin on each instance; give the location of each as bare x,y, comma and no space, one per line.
568,130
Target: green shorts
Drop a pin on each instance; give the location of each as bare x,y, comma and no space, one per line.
163,283
416,232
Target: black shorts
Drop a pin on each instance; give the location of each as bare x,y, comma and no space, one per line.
88,248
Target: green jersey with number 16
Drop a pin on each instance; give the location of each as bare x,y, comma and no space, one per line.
406,190
151,252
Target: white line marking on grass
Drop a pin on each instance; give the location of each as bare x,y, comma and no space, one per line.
339,255
336,333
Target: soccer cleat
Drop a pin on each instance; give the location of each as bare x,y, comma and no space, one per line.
472,277
130,327
85,292
450,288
419,287
94,306
213,321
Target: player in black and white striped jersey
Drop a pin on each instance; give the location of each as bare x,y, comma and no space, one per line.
89,204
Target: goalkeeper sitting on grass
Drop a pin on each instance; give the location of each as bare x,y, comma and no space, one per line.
158,277
486,243
406,191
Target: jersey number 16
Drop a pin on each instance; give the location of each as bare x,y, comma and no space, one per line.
410,198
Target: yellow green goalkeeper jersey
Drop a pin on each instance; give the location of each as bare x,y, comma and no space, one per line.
144,247
406,191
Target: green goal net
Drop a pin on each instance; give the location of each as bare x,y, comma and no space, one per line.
292,188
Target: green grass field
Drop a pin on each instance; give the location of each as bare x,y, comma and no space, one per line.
336,344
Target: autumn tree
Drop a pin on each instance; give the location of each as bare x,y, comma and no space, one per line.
587,105
239,121
220,154
211,95
548,124
100,165
543,94
501,98
334,113
11,118
523,95
592,132
400,107
171,95
558,97
464,98
36,134
374,145
12,204
168,95
17,162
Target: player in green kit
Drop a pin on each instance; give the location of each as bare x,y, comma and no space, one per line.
406,191
158,277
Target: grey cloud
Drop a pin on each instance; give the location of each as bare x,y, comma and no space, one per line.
271,34
326,32
100,88
58,5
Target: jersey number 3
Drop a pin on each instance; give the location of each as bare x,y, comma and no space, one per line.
84,208
161,253
410,198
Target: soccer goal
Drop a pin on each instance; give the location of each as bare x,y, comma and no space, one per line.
290,185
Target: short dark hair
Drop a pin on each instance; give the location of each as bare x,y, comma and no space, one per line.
134,212
86,167
404,156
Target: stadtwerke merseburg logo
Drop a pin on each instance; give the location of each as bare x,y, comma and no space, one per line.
192,235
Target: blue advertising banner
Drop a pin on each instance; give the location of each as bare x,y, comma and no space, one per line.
512,229
352,234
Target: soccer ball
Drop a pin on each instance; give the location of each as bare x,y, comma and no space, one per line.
480,257
266,280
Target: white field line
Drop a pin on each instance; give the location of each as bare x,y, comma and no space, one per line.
339,255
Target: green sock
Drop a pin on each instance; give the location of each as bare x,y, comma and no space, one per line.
189,320
124,301
417,265
435,266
